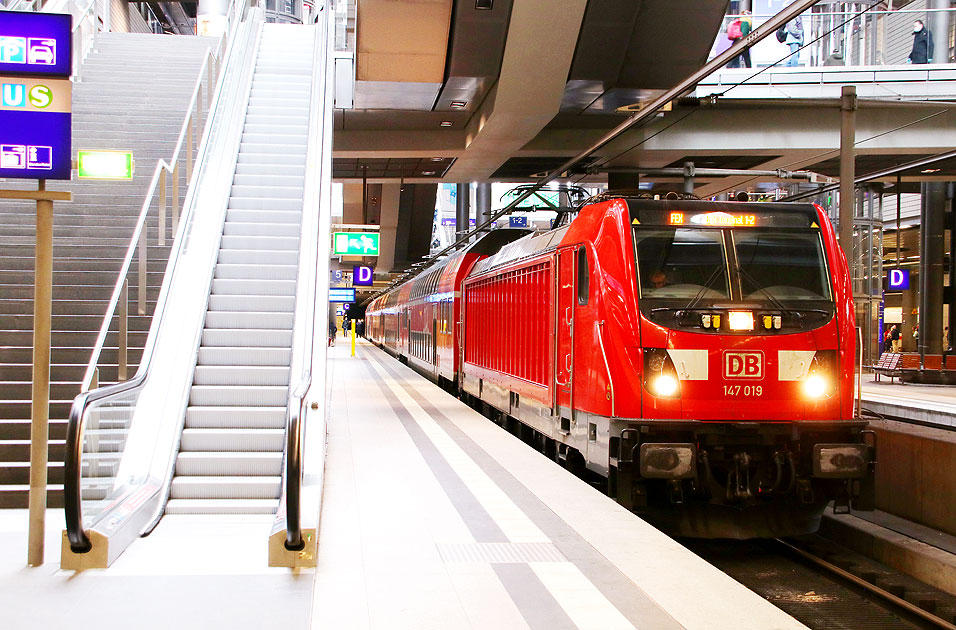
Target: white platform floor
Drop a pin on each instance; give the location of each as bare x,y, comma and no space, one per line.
433,517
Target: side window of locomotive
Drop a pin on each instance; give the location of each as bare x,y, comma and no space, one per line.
584,278
683,263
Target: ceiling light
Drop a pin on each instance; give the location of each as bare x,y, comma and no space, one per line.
458,104
930,170
437,159
446,123
484,4
428,173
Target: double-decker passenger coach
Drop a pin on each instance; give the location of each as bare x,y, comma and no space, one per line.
699,355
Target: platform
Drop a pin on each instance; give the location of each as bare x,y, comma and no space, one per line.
434,517
933,405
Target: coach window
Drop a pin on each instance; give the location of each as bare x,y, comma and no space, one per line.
584,279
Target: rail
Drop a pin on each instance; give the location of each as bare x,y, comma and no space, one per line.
303,342
76,430
164,169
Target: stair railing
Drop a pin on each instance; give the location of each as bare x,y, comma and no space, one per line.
189,135
121,398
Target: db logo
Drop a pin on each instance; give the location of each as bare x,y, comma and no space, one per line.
743,364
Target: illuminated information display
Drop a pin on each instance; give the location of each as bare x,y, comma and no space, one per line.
36,43
341,294
712,219
35,110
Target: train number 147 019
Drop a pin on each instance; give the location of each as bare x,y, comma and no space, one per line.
743,390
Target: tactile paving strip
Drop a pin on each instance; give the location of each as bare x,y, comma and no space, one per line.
499,553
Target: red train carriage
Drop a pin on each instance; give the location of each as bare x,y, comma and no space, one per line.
699,355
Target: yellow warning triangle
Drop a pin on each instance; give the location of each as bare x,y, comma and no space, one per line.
635,222
814,225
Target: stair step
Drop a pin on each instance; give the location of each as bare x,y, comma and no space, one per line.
261,203
293,217
236,286
235,488
222,506
209,417
250,303
241,375
249,319
239,228
258,242
225,464
239,395
235,355
232,440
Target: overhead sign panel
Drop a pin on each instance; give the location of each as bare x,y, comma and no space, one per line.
340,294
36,44
355,243
362,276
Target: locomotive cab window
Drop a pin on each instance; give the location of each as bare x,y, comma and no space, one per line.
687,264
584,280
787,267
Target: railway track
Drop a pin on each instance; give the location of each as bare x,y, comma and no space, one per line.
828,587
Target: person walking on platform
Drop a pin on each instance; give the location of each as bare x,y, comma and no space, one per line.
333,331
746,25
922,51
794,40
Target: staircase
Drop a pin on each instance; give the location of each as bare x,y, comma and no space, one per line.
133,96
230,455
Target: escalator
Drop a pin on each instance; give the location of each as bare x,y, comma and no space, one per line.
214,421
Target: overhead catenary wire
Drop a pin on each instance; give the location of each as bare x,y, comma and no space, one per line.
764,30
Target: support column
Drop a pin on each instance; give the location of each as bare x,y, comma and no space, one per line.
848,106
388,225
938,24
352,204
689,178
462,209
482,202
40,409
932,225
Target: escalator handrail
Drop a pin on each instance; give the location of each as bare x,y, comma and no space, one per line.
72,474
304,325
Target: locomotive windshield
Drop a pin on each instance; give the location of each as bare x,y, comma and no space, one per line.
684,270
787,266
682,263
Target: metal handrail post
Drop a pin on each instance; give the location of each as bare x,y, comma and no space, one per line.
123,342
176,196
141,286
162,210
189,147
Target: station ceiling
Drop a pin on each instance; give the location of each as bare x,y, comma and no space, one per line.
450,92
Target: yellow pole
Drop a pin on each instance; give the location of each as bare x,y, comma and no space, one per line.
40,410
353,337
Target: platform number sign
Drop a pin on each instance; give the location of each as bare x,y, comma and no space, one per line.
35,95
899,279
362,276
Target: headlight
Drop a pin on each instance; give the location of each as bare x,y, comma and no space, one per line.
815,386
660,375
664,385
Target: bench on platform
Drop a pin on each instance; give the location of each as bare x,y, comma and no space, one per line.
899,364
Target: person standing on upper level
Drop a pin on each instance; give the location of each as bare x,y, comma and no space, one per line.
922,44
794,40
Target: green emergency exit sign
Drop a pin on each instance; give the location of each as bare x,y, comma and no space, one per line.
104,164
355,244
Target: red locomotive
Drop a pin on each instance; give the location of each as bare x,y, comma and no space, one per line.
698,355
